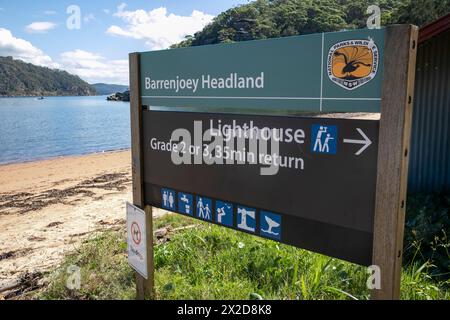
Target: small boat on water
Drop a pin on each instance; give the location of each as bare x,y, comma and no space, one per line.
40,98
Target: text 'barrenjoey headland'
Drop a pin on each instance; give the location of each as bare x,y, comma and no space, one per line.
206,81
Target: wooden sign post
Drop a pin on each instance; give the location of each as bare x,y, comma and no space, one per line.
144,287
395,128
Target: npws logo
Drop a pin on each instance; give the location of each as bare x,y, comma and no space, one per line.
353,63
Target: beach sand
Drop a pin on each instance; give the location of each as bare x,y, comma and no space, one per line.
48,207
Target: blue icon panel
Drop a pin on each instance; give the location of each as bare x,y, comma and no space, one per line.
324,139
246,219
270,225
203,209
224,213
168,199
185,203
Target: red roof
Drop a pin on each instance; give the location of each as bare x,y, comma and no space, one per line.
434,28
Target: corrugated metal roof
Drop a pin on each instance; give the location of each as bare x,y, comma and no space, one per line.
434,28
430,141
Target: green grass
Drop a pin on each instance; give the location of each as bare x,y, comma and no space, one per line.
210,262
427,231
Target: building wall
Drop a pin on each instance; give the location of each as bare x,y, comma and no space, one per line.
429,166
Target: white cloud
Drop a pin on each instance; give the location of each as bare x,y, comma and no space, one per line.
106,11
40,27
23,50
158,28
89,66
50,12
93,68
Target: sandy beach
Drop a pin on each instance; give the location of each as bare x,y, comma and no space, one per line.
48,207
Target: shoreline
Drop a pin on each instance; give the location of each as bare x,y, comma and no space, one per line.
75,155
45,96
41,175
49,97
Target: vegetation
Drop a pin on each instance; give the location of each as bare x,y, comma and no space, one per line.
120,96
18,78
278,18
427,232
210,262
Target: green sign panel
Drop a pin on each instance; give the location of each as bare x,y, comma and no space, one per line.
330,72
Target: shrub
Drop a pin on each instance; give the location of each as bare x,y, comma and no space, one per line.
427,232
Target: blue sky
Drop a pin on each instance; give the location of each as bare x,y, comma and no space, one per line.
97,48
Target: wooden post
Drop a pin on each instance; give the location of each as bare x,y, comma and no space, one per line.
395,126
144,287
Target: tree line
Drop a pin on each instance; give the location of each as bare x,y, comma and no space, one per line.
263,19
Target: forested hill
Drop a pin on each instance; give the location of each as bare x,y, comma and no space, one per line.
18,78
105,88
278,18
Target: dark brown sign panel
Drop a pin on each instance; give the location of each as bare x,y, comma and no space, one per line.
321,198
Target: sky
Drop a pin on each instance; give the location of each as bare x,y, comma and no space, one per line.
92,39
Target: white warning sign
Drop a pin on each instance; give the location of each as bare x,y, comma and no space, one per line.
136,239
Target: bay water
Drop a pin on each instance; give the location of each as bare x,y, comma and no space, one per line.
33,129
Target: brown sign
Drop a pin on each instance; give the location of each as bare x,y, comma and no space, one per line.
324,173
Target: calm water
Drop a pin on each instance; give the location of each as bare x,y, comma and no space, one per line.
32,129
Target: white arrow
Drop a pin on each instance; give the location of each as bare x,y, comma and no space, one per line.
366,142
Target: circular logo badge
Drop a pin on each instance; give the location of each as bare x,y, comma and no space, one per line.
352,63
